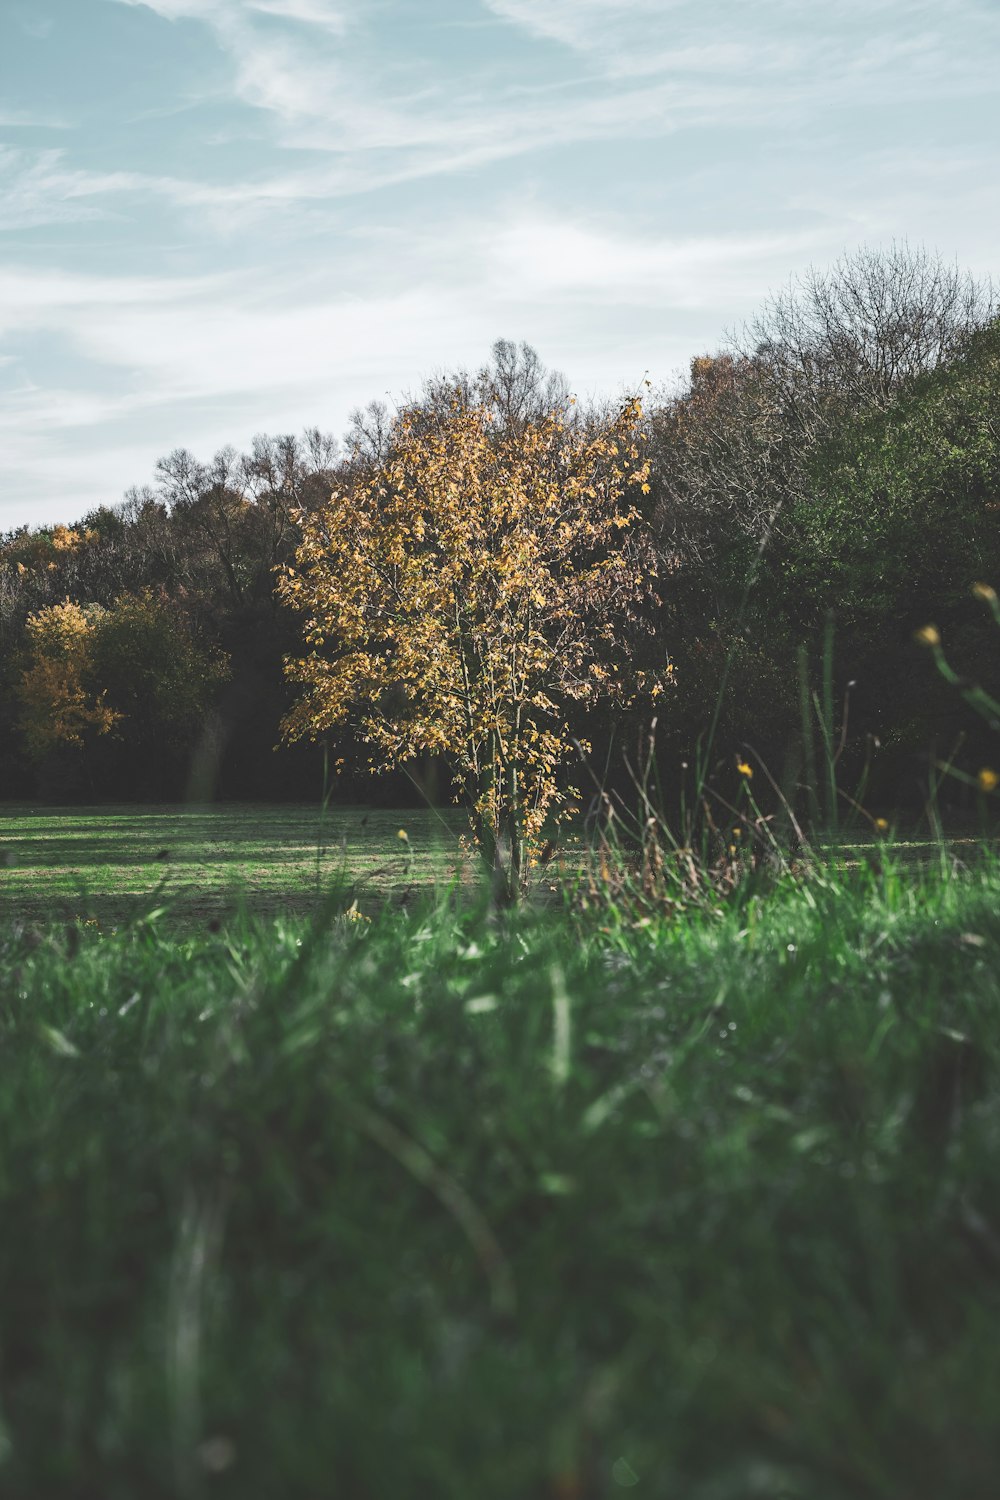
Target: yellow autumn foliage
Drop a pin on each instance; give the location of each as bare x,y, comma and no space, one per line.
57,707
460,596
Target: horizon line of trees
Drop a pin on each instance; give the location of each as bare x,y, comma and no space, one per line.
841,455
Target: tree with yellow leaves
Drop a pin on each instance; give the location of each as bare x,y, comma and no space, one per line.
58,706
463,592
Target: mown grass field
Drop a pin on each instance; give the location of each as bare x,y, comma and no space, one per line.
105,863
207,864
543,1206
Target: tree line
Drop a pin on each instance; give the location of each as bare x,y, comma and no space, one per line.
830,475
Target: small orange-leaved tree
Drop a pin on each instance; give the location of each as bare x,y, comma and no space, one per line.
58,703
462,592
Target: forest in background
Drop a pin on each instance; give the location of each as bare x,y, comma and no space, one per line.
835,466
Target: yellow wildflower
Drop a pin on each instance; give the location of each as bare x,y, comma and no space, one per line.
988,780
928,635
882,825
744,769
984,592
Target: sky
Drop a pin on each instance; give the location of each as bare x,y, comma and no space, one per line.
223,217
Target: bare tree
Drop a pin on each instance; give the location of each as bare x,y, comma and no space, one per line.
854,334
369,435
238,510
514,384
732,449
721,460
518,386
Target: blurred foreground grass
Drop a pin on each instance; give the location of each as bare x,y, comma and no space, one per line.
450,1205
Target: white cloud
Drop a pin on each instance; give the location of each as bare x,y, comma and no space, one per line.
177,10
319,99
42,298
549,259
28,119
199,362
308,12
242,342
819,49
653,66
587,24
365,145
38,187
324,13
203,361
945,199
580,23
337,302
49,480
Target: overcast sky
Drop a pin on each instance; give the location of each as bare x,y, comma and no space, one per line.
219,217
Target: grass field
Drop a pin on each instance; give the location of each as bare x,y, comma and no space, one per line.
205,864
542,1208
104,863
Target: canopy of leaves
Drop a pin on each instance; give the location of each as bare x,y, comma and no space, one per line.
903,511
462,593
840,453
58,704
133,676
